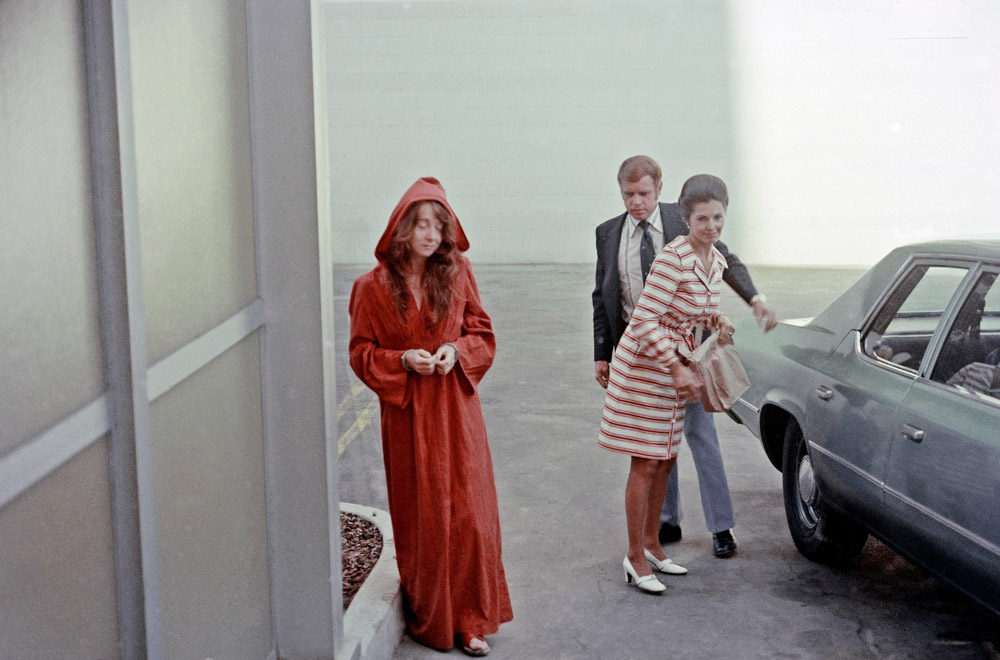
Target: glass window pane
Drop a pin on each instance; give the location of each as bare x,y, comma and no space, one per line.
57,576
51,353
208,479
903,327
192,139
971,352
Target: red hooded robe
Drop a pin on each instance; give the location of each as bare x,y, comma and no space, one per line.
438,469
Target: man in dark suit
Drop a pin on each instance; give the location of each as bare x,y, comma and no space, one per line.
619,282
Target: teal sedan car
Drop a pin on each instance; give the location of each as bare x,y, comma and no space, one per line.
883,414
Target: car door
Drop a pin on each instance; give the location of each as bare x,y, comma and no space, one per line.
943,479
856,392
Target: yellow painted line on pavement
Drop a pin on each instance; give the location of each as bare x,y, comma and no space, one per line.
363,421
350,401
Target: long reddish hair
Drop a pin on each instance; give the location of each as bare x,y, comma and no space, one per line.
441,267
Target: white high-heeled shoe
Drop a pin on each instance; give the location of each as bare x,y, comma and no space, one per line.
647,583
665,565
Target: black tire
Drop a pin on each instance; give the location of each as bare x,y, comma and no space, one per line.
820,533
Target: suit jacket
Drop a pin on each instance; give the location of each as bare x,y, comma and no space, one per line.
608,322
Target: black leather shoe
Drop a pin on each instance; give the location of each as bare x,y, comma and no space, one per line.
670,533
723,544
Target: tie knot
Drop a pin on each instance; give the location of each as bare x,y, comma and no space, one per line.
643,224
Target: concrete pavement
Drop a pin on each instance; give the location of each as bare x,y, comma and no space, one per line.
562,511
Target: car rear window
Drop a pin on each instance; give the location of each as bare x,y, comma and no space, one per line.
902,330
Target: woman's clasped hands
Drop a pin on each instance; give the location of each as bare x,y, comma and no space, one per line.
425,363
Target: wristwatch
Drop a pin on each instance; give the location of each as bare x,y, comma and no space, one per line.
759,298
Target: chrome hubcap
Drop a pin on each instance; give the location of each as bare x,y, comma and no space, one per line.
807,484
807,491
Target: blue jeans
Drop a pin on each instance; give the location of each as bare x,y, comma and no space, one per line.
699,432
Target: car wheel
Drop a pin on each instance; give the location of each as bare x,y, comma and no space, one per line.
819,532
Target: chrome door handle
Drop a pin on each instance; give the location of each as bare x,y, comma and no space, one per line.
913,433
824,392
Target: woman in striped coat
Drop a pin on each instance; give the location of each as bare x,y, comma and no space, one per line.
650,384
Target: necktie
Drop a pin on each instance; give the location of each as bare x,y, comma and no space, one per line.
646,250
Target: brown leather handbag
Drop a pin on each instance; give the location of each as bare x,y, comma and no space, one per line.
720,371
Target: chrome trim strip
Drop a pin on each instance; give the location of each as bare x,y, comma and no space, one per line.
849,466
754,409
936,517
38,458
879,362
954,390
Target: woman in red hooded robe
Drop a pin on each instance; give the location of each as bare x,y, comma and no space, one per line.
421,341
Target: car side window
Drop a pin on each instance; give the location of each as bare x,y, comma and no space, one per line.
971,352
903,327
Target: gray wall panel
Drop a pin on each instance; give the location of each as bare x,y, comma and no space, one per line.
57,583
192,140
51,357
210,511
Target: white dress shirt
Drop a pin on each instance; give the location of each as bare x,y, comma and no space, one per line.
629,262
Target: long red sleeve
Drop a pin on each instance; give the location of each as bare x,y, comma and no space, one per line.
380,368
477,344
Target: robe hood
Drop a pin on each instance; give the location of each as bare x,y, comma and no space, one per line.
425,189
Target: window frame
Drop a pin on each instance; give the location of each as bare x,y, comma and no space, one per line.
961,296
973,270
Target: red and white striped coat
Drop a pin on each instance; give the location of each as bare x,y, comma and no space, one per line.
642,414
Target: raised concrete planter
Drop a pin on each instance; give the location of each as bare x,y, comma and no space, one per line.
373,623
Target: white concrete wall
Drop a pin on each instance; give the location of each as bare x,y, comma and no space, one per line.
840,128
524,110
864,125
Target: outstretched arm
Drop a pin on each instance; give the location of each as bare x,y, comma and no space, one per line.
738,278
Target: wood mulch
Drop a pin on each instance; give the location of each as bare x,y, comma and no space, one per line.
361,545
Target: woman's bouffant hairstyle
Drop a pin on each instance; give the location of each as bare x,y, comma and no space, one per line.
441,267
702,188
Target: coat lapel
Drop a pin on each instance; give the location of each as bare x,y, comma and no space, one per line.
715,269
699,270
719,266
612,243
